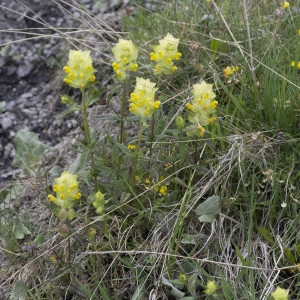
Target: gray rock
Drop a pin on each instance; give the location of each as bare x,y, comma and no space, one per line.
25,69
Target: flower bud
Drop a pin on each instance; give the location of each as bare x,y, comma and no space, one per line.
64,230
180,123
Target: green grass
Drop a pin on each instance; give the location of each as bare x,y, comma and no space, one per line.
245,170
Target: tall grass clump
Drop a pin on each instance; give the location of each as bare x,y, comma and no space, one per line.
187,185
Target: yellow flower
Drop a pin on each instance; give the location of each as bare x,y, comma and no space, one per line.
79,69
125,53
164,54
226,72
131,147
280,294
210,287
202,109
286,4
163,190
203,104
229,71
142,99
66,189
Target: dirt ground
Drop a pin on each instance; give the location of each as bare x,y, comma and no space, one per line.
32,53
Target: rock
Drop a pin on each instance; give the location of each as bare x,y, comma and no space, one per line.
25,69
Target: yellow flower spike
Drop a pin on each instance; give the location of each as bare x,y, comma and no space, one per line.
164,54
142,99
79,69
125,53
66,189
280,294
202,109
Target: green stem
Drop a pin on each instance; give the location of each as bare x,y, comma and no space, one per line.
137,153
88,137
152,133
122,137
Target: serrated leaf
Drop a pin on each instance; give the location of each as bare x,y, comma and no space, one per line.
19,292
19,229
208,209
28,151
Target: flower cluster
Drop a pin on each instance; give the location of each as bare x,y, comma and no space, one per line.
229,71
79,69
142,99
201,110
66,189
164,54
125,53
158,187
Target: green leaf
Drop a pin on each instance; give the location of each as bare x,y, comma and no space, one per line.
266,234
208,209
191,238
28,151
2,103
11,194
192,285
68,111
94,95
19,229
175,292
19,292
139,293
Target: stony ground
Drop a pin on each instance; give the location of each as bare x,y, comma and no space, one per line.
31,53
